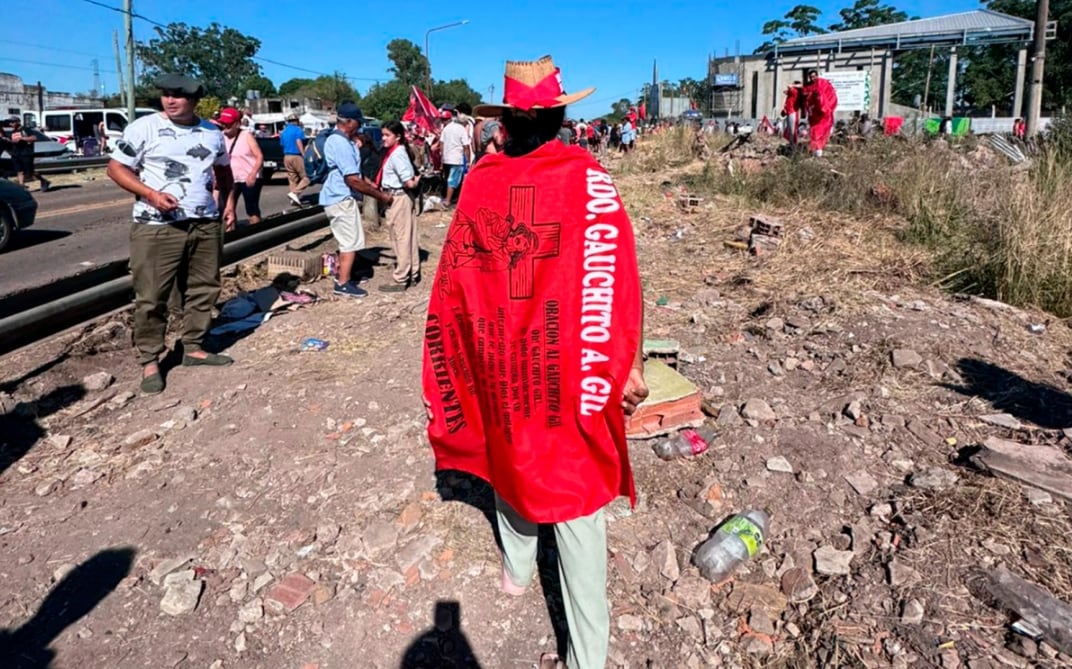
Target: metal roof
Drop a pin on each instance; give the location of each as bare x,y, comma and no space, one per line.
974,28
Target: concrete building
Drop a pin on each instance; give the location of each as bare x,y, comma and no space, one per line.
18,97
752,86
860,62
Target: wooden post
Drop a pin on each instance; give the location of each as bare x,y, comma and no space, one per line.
1038,69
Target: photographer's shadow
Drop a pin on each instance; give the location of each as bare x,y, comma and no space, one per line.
80,591
444,645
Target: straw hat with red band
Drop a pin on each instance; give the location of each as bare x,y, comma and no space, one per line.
532,85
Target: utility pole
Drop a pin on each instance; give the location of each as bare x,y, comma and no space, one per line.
119,69
1038,68
128,25
927,86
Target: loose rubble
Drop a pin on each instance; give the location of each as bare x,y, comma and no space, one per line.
290,509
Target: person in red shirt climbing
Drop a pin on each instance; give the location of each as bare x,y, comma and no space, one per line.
820,103
532,348
794,103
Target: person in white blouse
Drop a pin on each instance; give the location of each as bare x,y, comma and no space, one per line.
398,178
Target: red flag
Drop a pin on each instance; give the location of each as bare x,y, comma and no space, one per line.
422,112
643,111
533,323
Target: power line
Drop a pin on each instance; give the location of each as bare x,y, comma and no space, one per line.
303,69
121,11
46,48
260,58
37,62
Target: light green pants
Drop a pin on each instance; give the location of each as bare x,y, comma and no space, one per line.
582,568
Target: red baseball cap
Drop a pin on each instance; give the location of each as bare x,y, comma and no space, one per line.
229,115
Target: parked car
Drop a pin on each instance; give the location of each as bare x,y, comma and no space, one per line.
17,211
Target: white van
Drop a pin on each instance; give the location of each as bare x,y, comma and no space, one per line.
72,126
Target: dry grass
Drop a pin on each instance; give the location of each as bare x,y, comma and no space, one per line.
960,216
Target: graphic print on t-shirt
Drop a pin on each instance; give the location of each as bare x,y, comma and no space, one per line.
173,159
493,242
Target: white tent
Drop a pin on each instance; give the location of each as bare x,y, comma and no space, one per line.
313,123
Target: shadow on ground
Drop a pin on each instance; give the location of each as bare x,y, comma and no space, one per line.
444,645
457,486
1008,392
19,428
24,239
80,591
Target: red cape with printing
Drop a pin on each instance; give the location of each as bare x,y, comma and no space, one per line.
532,327
821,102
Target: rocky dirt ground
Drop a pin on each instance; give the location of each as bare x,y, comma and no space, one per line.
284,512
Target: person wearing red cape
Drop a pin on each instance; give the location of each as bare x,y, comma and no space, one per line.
820,103
794,103
532,348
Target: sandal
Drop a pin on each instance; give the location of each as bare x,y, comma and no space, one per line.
551,661
152,384
210,359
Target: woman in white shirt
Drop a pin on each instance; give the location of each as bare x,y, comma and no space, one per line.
398,178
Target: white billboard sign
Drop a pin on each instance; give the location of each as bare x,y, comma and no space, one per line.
853,89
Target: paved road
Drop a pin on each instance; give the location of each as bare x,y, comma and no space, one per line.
84,222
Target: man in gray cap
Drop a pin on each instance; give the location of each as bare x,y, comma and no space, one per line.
21,149
341,192
171,161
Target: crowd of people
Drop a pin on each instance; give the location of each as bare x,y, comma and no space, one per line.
557,462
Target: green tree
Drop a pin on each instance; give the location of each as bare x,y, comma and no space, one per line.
910,81
332,88
259,83
409,65
800,21
386,101
867,14
620,108
207,106
288,87
990,75
454,91
221,58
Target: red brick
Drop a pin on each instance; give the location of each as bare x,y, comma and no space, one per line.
290,593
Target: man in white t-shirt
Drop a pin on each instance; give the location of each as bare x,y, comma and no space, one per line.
457,148
171,161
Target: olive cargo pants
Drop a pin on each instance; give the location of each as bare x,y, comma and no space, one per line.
159,254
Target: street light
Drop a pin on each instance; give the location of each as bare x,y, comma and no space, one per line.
428,56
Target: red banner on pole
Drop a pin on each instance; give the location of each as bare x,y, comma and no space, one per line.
421,112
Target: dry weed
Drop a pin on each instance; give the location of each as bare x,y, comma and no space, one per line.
900,210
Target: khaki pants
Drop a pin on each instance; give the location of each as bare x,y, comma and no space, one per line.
402,224
158,255
582,568
296,173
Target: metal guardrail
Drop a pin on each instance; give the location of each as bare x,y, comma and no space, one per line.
65,165
58,165
32,315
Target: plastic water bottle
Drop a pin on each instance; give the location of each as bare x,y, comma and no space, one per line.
685,444
736,541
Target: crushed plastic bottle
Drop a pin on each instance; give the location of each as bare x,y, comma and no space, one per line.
685,444
736,541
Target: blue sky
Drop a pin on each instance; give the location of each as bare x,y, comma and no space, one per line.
607,45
